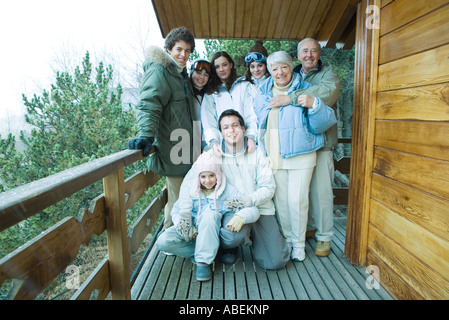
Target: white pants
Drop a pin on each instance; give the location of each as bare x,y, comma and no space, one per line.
292,203
321,206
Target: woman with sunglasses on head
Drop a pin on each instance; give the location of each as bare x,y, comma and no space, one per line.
200,72
227,91
256,63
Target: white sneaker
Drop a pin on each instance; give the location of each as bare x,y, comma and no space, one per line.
298,254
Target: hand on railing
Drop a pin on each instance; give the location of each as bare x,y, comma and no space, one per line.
144,143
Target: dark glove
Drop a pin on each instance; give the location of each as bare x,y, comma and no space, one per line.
143,143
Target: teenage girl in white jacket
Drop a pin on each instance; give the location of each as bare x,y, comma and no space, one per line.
227,91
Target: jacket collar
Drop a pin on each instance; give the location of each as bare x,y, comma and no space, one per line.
226,152
318,68
160,57
222,87
268,85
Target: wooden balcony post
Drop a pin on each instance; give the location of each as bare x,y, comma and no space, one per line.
365,88
117,234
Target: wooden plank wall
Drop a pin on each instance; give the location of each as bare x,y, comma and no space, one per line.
408,231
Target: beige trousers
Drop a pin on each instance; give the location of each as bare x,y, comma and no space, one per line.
321,197
173,187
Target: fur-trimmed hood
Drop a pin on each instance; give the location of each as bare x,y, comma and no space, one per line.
160,57
165,105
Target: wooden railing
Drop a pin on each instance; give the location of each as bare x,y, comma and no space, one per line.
36,264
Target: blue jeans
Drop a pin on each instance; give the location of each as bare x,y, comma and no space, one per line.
203,248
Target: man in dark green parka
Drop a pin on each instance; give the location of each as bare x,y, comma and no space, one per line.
165,112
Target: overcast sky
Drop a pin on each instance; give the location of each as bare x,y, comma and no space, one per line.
33,32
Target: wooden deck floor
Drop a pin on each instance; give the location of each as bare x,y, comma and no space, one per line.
165,277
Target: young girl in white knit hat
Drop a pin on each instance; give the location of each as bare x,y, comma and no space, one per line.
204,198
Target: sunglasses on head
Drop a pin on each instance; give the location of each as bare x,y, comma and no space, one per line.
256,56
202,65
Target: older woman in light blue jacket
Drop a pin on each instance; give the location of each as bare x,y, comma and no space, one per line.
290,136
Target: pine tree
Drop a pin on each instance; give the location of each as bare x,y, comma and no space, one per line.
81,118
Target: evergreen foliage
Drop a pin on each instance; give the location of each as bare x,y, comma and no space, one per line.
80,119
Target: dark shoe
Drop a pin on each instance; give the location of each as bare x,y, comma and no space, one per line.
228,256
310,233
203,272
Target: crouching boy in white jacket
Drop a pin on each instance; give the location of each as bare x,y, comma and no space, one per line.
197,215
